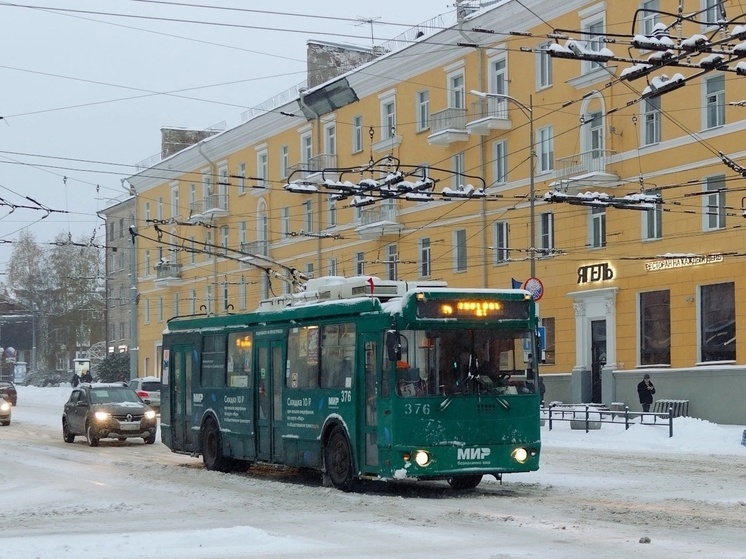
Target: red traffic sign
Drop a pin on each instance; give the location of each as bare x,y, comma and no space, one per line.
534,287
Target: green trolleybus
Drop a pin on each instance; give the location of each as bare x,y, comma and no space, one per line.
360,378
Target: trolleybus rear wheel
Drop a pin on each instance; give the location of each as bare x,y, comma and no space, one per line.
338,460
212,448
464,482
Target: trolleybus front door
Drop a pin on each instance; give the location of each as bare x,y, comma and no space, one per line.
372,391
269,379
181,403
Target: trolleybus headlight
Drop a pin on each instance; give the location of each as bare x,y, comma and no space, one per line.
520,455
422,458
150,414
102,415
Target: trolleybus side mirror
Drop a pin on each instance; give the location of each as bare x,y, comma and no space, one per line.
393,345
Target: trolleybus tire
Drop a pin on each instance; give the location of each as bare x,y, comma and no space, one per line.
212,448
338,461
92,440
462,483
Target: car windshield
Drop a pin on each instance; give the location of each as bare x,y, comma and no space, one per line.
151,386
113,395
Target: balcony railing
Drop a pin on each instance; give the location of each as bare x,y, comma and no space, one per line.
315,164
255,248
490,107
448,119
212,204
377,214
165,270
587,168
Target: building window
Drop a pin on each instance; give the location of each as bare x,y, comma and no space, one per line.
596,134
650,16
459,250
331,212
500,155
306,149
285,218
548,341
160,309
546,234
308,216
388,119
309,270
543,66
242,293
423,110
456,91
242,233
425,262
226,297
655,328
262,167
208,249
653,220
598,227
262,227
593,34
284,162
652,120
208,299
714,209
159,209
330,138
712,13
193,301
175,304
499,86
357,134
175,200
147,311
147,212
392,257
332,266
502,254
224,237
242,179
360,264
193,250
715,101
718,320
458,168
546,149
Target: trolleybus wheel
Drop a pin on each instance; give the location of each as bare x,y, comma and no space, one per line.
464,482
338,460
212,448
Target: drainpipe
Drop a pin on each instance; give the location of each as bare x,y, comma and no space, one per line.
133,345
317,119
214,175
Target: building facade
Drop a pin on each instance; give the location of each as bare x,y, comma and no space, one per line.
619,198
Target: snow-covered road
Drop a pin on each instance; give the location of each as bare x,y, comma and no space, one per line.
595,496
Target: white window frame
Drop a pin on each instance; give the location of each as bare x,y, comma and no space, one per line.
595,21
500,161
544,67
457,90
597,227
242,179
357,134
360,263
392,258
713,103
262,167
648,20
498,84
175,200
306,148
423,110
331,212
192,301
308,216
710,13
330,138
651,121
546,233
425,264
458,168
501,232
242,294
460,253
652,221
284,162
713,205
243,231
545,141
332,267
285,219
223,184
388,117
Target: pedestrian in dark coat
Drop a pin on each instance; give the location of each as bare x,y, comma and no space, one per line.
75,381
645,390
86,376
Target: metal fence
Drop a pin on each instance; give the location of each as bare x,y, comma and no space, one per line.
589,415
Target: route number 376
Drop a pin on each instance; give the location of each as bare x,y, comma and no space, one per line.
416,409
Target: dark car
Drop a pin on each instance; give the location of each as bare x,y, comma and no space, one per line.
113,411
8,391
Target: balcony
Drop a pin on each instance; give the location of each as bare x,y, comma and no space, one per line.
379,220
167,274
586,170
448,126
253,249
211,206
313,171
487,115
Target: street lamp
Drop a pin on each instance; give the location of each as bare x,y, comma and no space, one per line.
527,110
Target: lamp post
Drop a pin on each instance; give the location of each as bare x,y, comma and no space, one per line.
527,110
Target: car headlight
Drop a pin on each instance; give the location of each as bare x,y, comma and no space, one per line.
4,405
102,415
150,414
520,455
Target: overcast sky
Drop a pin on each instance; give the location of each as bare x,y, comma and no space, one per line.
90,86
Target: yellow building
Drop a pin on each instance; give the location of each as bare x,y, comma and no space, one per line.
620,198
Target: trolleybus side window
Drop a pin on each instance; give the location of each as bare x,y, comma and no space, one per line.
213,361
337,355
238,370
302,358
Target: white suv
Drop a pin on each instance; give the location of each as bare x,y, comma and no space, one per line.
148,388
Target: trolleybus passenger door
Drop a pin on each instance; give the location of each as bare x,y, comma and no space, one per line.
269,379
181,403
370,360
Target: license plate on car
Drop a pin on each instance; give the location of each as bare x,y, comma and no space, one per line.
129,426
